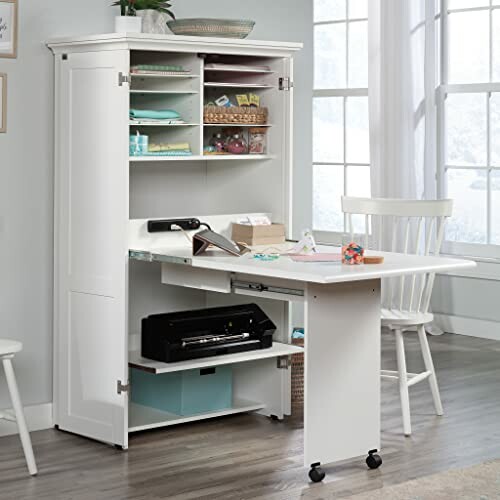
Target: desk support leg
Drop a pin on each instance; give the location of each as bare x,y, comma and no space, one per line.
342,371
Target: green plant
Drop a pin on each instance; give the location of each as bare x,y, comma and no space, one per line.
129,7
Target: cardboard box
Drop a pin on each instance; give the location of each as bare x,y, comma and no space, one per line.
258,235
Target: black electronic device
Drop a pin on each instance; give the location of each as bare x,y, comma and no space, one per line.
200,333
159,226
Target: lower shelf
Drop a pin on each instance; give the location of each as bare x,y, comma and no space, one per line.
142,418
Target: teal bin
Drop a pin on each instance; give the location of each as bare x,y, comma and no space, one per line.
184,393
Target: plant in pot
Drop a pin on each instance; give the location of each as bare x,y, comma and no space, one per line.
127,21
155,14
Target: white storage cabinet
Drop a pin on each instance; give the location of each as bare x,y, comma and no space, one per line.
100,293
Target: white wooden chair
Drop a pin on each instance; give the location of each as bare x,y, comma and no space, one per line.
417,227
8,348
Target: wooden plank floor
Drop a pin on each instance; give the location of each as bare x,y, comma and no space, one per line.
252,457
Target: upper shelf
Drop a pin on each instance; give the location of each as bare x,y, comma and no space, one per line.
213,157
139,91
239,85
157,367
153,75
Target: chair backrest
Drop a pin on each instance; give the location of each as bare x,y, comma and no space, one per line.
405,226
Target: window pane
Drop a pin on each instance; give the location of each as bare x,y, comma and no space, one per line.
469,47
328,130
495,207
464,4
358,9
357,135
495,129
329,10
466,129
328,185
330,56
358,184
496,44
358,54
467,187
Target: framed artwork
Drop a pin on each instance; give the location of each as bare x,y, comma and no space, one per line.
3,102
8,28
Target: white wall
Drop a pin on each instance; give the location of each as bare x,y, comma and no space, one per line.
26,158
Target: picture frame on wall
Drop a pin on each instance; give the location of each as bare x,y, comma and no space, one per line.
3,103
8,28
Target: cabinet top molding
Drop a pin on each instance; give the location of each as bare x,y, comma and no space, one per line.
147,41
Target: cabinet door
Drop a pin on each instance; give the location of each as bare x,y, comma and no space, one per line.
91,261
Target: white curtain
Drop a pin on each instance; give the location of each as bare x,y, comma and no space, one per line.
402,82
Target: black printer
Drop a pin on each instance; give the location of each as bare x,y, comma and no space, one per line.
206,332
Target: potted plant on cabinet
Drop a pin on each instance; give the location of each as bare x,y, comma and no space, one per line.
155,14
127,21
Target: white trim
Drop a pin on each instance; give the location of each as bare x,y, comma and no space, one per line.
38,417
472,327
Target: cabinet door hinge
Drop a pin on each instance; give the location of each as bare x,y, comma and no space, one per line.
120,387
122,78
283,362
285,83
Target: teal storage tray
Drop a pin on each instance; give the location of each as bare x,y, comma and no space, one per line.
184,393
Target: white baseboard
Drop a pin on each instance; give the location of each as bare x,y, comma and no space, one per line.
472,327
38,417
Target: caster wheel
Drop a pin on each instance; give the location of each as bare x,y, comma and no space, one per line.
274,417
373,460
316,474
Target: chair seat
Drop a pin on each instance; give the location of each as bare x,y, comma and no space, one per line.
405,318
9,347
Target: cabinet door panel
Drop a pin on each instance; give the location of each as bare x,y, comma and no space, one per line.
91,245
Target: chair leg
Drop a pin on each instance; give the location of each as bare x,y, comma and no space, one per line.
21,422
429,366
403,382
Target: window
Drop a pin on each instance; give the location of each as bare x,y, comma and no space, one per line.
341,151
469,107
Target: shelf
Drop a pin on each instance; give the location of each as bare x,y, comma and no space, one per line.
173,92
142,418
146,75
147,124
239,85
136,159
157,367
239,70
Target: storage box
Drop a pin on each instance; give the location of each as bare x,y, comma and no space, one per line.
258,235
184,393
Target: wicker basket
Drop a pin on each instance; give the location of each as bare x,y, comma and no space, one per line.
235,115
298,380
227,28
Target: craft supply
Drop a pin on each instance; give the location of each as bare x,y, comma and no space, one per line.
254,100
317,257
160,114
237,145
264,234
223,101
242,100
158,148
373,259
138,144
352,254
218,142
266,257
257,140
306,245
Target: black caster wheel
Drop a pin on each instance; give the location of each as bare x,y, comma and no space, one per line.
274,417
316,474
373,460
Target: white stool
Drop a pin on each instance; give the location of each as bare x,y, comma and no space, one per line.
7,350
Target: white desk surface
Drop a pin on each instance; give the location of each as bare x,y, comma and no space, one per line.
322,273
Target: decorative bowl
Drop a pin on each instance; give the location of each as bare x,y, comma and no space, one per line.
225,28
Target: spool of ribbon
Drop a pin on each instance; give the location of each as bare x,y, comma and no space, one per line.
352,254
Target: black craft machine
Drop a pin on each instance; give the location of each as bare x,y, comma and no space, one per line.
206,332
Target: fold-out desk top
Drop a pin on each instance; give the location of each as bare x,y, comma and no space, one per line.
175,248
312,272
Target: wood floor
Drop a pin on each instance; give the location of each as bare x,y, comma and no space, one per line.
252,457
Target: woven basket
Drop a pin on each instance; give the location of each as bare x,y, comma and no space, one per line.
227,28
298,379
235,115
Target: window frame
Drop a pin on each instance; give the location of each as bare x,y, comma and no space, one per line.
474,250
335,237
